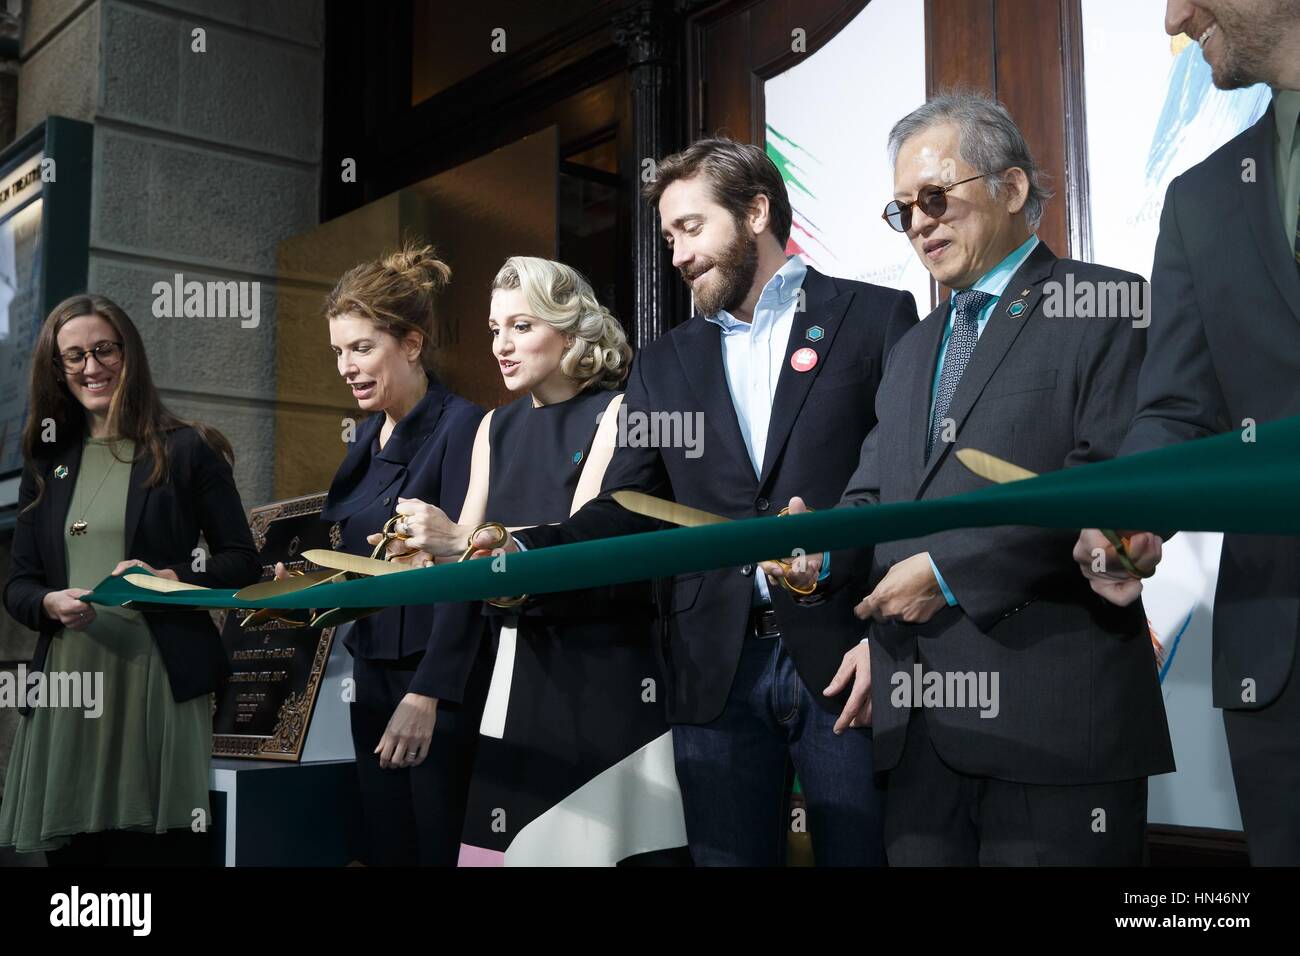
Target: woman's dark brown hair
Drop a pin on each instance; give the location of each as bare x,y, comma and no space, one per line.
397,294
135,410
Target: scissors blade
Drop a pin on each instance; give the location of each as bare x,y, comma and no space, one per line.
1000,471
273,588
990,467
352,563
665,510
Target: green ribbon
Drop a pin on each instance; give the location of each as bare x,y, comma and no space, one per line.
1222,483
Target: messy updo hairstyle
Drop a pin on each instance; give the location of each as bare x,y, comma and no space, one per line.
396,293
561,297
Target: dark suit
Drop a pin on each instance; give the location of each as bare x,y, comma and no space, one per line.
162,527
1225,347
413,815
818,418
1079,701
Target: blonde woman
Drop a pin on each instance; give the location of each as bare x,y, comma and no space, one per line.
574,762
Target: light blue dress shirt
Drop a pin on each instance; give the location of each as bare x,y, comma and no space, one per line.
994,282
753,354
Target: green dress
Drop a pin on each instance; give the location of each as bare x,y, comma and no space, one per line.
142,764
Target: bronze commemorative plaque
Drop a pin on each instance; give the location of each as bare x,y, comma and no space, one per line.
277,666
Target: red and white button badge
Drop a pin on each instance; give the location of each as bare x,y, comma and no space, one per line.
803,360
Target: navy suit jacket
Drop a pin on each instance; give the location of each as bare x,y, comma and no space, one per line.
427,456
819,419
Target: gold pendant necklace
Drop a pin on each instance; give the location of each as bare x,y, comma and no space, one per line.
79,526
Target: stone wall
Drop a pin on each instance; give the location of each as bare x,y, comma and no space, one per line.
203,163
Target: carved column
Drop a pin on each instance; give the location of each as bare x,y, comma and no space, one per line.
648,31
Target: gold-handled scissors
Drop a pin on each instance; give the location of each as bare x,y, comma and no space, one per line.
689,517
339,565
788,564
502,536
998,470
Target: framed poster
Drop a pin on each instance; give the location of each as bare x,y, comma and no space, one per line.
44,236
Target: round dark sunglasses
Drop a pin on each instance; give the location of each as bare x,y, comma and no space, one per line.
932,199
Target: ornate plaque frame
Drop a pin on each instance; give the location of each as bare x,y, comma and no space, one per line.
281,531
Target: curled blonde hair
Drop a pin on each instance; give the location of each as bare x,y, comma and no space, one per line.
396,293
561,297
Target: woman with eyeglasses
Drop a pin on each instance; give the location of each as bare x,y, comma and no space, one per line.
115,483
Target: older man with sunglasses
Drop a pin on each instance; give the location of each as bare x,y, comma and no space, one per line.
1018,714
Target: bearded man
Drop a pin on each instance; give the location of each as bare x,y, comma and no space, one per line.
781,364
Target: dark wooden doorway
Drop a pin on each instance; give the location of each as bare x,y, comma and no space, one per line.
1028,53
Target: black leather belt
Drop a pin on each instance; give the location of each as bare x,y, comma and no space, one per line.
763,623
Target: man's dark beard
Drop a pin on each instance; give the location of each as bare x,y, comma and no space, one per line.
1249,42
733,275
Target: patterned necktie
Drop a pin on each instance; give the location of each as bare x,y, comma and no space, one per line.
961,345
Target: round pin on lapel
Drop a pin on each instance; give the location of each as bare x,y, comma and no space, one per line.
803,360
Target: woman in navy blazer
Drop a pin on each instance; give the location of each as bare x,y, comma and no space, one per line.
420,671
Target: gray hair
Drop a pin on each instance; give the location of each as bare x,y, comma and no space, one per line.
988,140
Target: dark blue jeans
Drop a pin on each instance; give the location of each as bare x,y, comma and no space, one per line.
734,772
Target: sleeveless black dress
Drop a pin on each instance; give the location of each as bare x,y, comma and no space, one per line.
575,761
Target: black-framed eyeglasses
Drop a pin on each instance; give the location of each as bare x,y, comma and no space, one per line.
107,354
932,199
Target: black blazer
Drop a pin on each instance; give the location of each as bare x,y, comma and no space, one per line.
1224,347
163,524
427,456
819,419
1079,700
